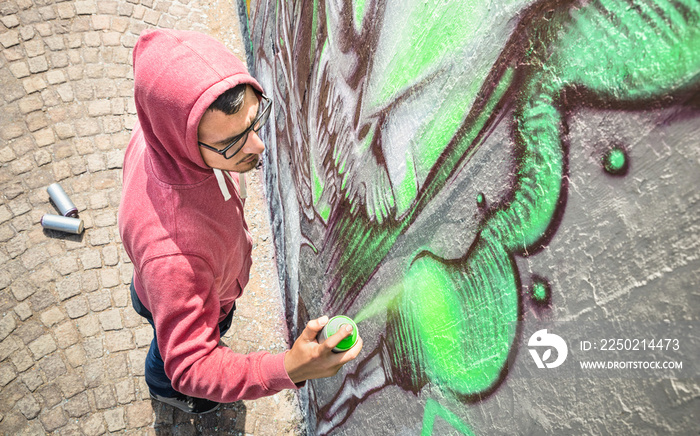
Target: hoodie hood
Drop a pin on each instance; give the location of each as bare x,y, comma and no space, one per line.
177,75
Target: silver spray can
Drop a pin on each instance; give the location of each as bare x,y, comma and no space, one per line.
62,224
61,200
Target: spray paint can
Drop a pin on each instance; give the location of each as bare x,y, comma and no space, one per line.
62,224
333,326
61,200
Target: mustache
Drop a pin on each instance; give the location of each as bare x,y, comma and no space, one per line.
247,158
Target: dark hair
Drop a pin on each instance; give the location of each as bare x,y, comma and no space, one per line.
231,101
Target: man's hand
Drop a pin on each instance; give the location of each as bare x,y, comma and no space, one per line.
309,360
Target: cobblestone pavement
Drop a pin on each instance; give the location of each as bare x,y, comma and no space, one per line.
71,348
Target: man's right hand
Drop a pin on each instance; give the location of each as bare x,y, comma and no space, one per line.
309,360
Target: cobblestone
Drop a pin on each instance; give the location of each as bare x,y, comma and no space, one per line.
76,307
93,425
72,349
115,419
7,326
71,385
53,419
22,360
52,367
42,300
88,326
77,406
76,355
66,334
32,380
42,346
7,374
111,320
29,406
52,316
68,287
99,301
23,311
94,371
125,391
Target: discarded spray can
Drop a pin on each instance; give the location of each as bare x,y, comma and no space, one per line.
61,200
333,326
62,224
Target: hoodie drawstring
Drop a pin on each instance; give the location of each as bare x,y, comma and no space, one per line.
222,184
242,188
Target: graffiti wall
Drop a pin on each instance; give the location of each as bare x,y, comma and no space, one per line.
504,196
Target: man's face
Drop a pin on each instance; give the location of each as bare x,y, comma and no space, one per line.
218,129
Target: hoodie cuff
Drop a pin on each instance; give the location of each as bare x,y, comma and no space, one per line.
272,365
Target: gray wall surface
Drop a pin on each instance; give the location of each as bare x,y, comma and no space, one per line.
499,194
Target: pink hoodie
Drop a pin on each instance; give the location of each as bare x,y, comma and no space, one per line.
190,247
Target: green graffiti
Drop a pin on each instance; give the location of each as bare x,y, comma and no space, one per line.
358,257
540,292
408,188
476,297
615,161
452,323
317,185
359,15
430,145
422,46
480,200
615,52
434,409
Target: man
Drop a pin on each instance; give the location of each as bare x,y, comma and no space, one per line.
181,222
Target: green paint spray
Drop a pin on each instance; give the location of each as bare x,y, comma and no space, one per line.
333,326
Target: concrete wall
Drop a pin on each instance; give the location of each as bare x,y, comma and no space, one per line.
489,187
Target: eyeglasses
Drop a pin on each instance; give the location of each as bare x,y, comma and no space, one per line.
263,114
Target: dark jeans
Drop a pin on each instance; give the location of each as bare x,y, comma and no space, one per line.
157,381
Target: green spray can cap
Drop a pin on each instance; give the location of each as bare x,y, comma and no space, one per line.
333,326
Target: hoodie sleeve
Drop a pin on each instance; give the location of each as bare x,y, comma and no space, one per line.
182,297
